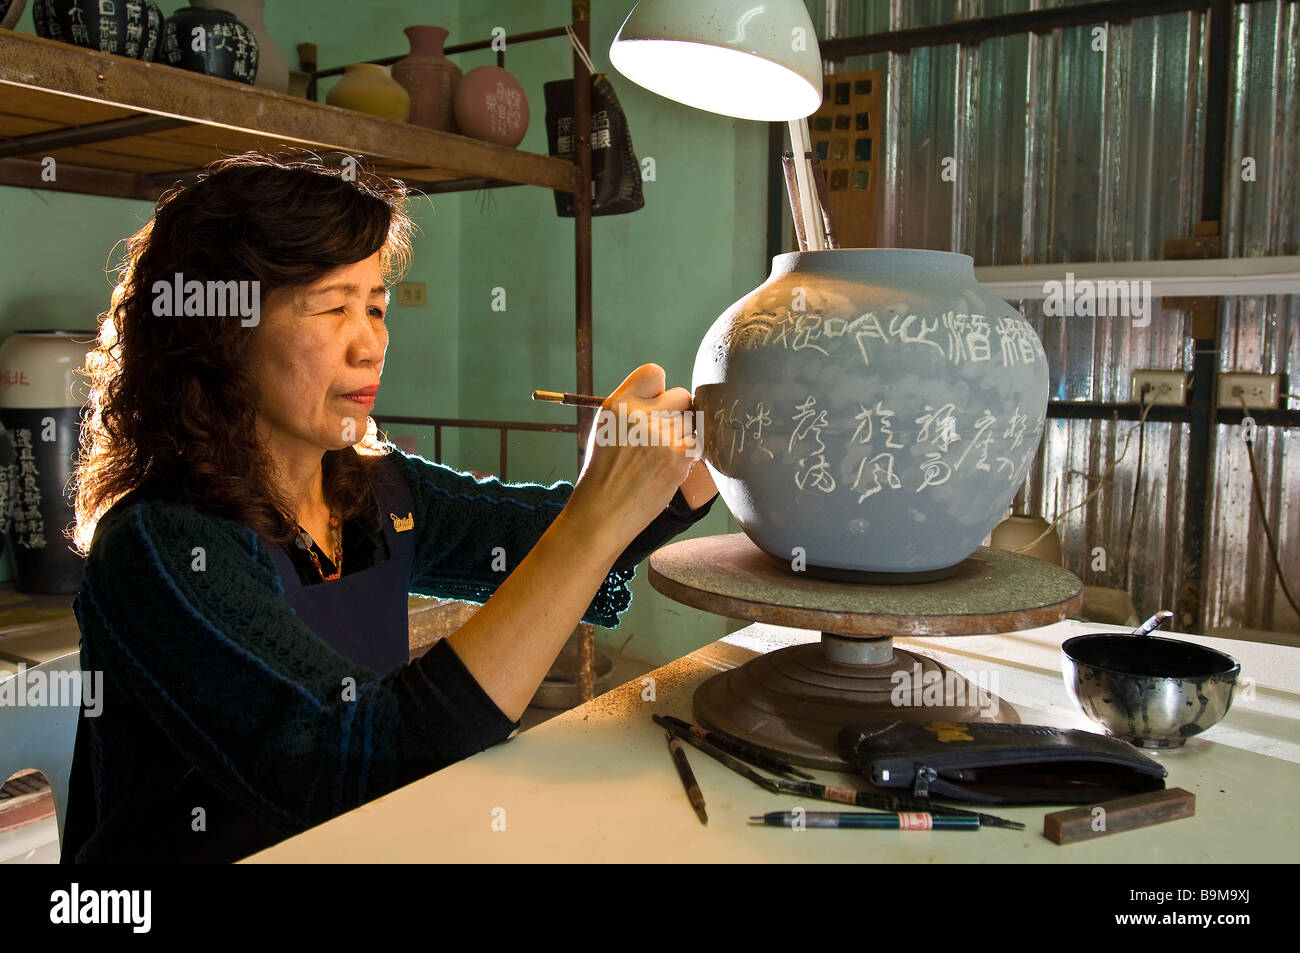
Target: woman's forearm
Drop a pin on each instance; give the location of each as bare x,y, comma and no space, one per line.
511,643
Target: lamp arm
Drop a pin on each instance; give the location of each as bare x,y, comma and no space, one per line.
813,226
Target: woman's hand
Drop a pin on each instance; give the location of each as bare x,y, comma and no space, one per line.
635,462
639,452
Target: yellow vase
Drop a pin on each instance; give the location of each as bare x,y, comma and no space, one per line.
1017,532
370,88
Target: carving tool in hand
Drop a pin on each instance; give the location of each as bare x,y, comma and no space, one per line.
573,400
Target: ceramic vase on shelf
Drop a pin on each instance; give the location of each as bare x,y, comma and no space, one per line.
227,49
272,65
41,395
126,28
370,88
491,105
10,11
1017,532
870,413
429,77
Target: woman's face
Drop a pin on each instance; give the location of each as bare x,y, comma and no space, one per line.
313,348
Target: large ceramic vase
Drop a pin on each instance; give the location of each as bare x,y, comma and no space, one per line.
491,105
272,64
213,42
41,396
870,414
429,77
126,28
370,88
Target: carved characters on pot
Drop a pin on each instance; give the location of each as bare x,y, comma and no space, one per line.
272,64
491,105
429,77
126,27
40,432
213,42
871,411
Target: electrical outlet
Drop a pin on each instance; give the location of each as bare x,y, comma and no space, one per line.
412,294
1258,390
1167,387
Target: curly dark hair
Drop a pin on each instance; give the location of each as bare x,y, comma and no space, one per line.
174,398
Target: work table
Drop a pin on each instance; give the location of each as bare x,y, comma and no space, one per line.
596,784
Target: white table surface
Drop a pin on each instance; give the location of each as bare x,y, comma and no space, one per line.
596,784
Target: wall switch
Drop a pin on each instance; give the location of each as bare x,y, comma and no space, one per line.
412,294
1258,390
1167,387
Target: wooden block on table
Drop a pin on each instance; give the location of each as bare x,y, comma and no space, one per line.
1123,814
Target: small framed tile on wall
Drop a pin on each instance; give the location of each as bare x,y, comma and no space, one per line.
844,132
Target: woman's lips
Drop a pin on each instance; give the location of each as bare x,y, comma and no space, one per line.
365,396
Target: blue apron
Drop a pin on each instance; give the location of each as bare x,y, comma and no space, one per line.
363,615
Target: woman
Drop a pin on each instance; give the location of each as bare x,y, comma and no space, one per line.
250,542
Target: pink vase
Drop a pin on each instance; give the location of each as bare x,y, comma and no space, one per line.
429,77
491,105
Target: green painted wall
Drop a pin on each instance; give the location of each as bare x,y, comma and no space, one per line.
662,274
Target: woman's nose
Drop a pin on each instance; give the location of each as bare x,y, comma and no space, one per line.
369,340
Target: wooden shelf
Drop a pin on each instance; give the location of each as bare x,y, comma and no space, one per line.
128,129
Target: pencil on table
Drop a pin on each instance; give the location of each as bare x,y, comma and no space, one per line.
688,777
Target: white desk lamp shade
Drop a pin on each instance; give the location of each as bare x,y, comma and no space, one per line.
752,59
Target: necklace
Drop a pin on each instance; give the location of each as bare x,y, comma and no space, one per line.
304,542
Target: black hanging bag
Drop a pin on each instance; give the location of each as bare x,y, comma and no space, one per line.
615,172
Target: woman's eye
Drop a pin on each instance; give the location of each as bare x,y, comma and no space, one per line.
377,313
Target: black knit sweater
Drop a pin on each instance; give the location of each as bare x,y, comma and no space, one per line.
224,728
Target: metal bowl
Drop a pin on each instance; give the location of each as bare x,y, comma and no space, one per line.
1152,692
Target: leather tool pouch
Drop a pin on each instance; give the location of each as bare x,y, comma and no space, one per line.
987,763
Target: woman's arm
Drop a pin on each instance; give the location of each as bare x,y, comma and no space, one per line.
511,643
471,534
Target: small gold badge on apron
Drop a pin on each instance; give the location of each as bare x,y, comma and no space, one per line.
402,523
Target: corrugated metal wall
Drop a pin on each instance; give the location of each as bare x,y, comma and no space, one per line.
1068,153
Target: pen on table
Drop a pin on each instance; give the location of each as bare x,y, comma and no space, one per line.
906,821
574,400
688,777
742,749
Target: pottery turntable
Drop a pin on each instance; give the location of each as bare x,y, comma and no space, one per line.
793,702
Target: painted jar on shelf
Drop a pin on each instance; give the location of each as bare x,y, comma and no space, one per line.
125,28
491,105
272,64
41,397
212,42
429,77
370,88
